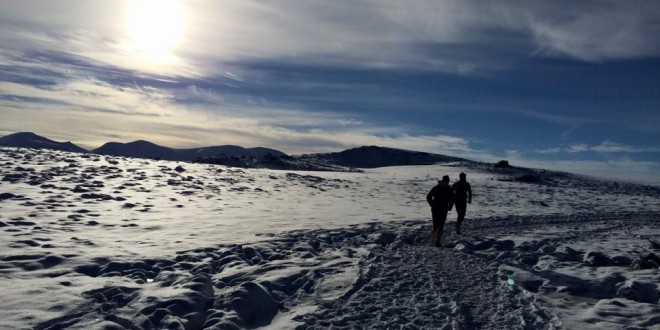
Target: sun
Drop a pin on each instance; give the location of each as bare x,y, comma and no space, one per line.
155,27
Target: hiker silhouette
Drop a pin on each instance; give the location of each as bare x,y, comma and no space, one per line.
462,197
441,200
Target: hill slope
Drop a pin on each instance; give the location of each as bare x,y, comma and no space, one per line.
373,156
345,161
146,149
31,140
137,149
227,150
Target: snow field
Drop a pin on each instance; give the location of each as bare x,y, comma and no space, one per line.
111,243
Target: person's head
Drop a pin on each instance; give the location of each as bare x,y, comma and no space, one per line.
445,179
462,176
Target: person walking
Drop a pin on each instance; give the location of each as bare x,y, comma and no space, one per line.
462,197
441,200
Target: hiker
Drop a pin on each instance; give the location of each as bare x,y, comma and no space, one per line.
462,197
441,200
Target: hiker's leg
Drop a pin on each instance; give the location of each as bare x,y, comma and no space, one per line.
436,225
442,217
460,211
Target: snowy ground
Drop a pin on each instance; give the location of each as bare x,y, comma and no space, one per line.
111,243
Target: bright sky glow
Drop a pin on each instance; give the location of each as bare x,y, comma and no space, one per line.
155,28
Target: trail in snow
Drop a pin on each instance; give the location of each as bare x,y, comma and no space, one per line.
416,286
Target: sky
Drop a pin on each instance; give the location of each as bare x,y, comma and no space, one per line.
563,85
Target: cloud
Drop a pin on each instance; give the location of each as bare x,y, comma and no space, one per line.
598,31
89,95
90,112
570,120
575,148
350,122
184,130
646,172
608,146
451,35
617,164
554,150
603,147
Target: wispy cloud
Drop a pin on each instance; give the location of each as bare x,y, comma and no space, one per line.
597,31
94,112
620,168
603,147
425,34
609,146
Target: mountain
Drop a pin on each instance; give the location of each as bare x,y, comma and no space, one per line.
276,162
345,161
227,150
146,149
373,156
137,149
31,140
232,155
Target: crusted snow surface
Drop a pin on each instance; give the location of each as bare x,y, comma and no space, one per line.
101,242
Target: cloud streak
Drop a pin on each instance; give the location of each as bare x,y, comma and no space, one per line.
94,112
384,34
603,147
622,168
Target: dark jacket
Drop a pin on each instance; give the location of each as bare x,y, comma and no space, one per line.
441,196
462,192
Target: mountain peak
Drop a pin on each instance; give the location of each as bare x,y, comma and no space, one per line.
142,142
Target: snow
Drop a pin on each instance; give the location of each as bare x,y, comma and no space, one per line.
101,242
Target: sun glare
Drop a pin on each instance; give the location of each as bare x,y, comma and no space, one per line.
155,28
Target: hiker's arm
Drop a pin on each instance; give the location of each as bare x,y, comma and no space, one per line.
451,200
469,194
429,197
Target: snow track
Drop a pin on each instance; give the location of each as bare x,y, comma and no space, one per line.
375,276
416,286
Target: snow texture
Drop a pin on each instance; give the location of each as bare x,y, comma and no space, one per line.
101,242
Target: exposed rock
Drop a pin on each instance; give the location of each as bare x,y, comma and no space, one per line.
596,259
638,291
529,178
649,261
503,164
254,305
386,238
5,196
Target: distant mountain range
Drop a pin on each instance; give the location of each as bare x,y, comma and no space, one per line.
231,155
146,149
347,160
137,149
